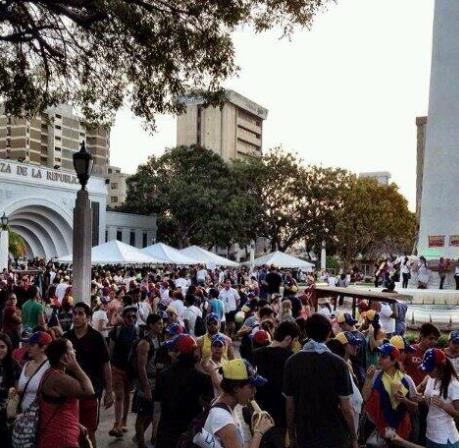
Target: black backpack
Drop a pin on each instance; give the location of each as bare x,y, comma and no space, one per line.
196,426
199,326
132,368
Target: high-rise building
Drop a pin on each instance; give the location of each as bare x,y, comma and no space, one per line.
382,177
117,188
234,130
52,138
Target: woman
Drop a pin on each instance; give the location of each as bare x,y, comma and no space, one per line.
441,394
375,337
423,273
12,320
100,318
389,394
59,394
222,424
33,370
9,375
405,270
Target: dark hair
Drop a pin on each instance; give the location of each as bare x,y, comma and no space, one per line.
230,386
32,291
336,347
318,327
427,329
55,351
10,366
446,373
152,319
286,329
128,309
190,299
127,300
265,312
85,307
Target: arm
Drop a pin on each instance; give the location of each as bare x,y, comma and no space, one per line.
348,414
290,414
451,409
367,387
108,397
230,439
78,386
142,359
230,351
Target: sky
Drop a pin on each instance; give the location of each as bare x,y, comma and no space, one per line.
345,93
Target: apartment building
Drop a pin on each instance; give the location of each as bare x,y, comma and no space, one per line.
116,187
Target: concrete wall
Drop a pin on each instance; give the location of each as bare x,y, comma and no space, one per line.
127,223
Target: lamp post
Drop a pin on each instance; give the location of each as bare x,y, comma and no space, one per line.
82,225
4,242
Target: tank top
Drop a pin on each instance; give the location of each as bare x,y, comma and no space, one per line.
59,417
32,387
207,348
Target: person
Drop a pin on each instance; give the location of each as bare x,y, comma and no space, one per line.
401,308
286,314
59,394
374,338
33,313
122,337
145,384
201,276
33,370
93,357
177,304
403,346
443,266
222,427
231,300
387,319
270,362
405,270
452,351
9,375
181,391
273,281
441,394
318,389
99,320
213,364
456,275
11,320
143,311
290,285
423,273
191,314
205,342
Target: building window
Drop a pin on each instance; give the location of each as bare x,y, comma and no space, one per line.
57,138
114,199
58,116
106,235
119,235
8,131
58,127
132,238
114,186
57,148
145,239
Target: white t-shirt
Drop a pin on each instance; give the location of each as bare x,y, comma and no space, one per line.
441,427
143,310
387,322
230,298
190,314
216,420
100,315
183,284
60,291
179,306
201,275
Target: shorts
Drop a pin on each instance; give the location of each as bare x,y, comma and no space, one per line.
230,316
89,413
140,406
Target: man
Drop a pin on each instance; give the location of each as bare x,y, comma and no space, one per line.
92,355
205,342
387,315
318,389
201,276
231,299
191,314
11,320
270,363
181,391
290,285
122,338
33,313
273,281
61,288
443,267
146,351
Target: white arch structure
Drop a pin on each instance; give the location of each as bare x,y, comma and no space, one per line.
45,226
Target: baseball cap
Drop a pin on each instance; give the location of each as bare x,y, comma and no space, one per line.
39,337
347,337
401,344
433,357
212,316
240,370
371,314
182,343
389,350
172,310
218,339
345,318
261,337
174,329
454,336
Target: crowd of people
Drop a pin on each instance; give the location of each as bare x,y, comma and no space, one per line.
219,358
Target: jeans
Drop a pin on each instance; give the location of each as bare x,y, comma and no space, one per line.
442,280
406,278
431,444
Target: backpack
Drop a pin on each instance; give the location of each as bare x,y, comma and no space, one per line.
196,430
199,327
132,367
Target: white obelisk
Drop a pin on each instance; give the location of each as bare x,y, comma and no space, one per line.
439,220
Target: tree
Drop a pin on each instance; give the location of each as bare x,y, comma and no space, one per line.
192,192
98,53
17,246
373,220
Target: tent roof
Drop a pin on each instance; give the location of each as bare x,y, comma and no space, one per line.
168,254
205,257
116,252
282,260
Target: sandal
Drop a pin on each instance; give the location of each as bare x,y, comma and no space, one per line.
115,433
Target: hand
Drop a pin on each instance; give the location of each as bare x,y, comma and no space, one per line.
399,397
208,366
418,398
108,399
262,422
371,372
147,395
70,362
437,401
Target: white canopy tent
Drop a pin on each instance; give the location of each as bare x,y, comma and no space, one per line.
168,254
208,258
115,252
283,260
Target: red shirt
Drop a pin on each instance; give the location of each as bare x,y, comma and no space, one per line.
412,363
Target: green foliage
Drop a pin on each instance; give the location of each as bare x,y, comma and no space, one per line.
98,54
17,246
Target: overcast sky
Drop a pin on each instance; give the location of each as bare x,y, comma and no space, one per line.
344,94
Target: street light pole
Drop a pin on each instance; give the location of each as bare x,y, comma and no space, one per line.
82,226
4,242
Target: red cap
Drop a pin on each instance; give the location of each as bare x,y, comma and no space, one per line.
262,337
183,343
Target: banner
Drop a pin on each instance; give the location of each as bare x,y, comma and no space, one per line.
454,240
436,240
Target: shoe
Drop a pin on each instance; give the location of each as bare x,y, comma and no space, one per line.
115,433
124,429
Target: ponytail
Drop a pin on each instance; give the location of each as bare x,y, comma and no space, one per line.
446,373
